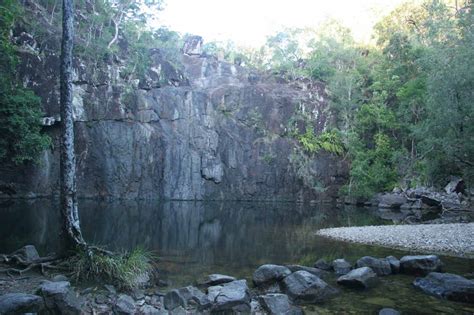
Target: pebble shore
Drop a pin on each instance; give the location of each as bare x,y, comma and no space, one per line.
455,239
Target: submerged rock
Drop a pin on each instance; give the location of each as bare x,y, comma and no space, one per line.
269,273
19,303
394,263
380,266
388,311
422,264
362,278
303,287
322,264
232,297
341,266
216,279
447,286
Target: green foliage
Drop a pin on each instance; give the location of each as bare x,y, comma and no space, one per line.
96,33
447,135
121,269
20,109
372,169
403,107
329,141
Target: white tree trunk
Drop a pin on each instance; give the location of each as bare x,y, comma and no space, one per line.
71,231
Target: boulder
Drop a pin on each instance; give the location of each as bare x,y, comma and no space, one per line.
456,185
362,278
269,273
394,263
315,271
381,266
59,297
341,266
392,201
422,264
184,296
18,303
277,303
216,279
27,254
124,305
388,311
230,297
447,286
322,264
303,287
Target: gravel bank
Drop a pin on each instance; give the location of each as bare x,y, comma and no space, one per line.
455,239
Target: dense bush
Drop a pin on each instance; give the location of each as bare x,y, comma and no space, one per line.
404,107
20,109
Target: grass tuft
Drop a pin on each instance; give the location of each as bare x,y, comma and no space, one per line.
125,270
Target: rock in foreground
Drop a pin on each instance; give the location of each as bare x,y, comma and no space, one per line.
362,278
125,305
276,303
422,264
394,263
447,286
59,297
381,267
19,303
184,296
269,273
322,264
303,287
341,266
230,297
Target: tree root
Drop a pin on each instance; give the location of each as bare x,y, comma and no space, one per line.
21,266
40,265
17,265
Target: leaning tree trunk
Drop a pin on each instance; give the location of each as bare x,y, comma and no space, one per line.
71,231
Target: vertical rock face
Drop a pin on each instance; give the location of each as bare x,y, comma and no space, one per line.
204,130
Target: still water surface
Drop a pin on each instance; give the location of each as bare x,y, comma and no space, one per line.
193,239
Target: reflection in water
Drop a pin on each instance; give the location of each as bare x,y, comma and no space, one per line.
197,238
211,233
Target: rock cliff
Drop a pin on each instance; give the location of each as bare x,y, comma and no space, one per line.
199,129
